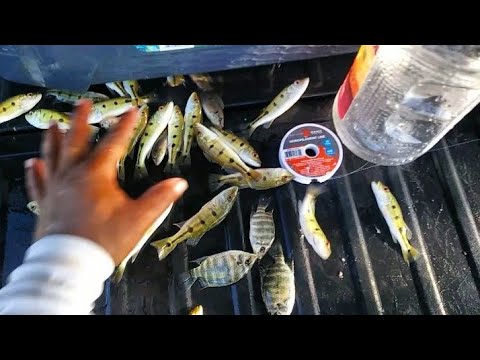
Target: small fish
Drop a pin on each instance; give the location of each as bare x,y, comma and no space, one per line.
203,81
18,105
33,207
71,97
210,215
132,88
155,126
136,250
197,310
262,228
310,227
212,105
222,269
175,80
41,119
392,214
279,105
193,115
241,146
175,137
216,150
159,149
278,284
271,178
112,108
137,134
116,88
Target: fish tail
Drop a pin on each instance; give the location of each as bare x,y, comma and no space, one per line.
162,246
186,280
315,189
215,182
119,271
410,254
263,202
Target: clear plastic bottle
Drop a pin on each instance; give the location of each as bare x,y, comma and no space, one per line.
399,100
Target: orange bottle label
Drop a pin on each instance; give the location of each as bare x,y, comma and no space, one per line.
355,77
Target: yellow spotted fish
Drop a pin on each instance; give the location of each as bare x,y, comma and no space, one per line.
71,97
210,215
137,133
193,115
155,127
271,178
216,150
241,146
392,214
18,105
111,108
175,138
308,222
279,105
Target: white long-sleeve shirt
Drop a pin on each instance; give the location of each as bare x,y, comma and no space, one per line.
60,274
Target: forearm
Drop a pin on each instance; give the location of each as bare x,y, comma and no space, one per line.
61,274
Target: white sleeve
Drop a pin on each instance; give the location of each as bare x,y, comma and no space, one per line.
60,274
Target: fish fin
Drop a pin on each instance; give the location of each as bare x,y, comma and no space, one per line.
408,233
410,254
215,182
268,124
160,245
134,256
203,284
119,271
180,224
186,279
193,241
199,260
395,240
299,202
254,174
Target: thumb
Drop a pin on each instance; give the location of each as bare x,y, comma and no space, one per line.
158,198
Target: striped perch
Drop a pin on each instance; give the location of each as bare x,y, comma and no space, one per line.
218,270
262,228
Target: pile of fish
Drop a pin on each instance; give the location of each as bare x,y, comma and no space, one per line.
168,132
172,132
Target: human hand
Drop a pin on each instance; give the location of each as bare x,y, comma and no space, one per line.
77,190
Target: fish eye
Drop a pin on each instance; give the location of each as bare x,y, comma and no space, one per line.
161,107
385,188
30,94
262,249
284,177
279,305
168,244
247,262
297,82
229,197
256,155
